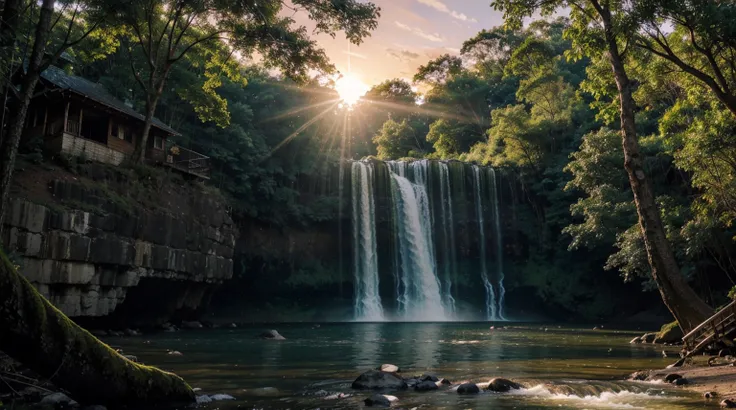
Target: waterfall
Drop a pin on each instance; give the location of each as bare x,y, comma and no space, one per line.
422,230
420,297
365,254
499,245
448,237
491,310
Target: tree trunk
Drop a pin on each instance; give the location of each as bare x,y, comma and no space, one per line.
10,142
139,154
38,335
686,306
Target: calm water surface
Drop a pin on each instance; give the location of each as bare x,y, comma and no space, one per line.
564,368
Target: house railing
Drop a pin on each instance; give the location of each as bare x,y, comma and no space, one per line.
189,161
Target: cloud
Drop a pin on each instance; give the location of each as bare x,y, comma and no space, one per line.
436,37
440,6
354,54
402,54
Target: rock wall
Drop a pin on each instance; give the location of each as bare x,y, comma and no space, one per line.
87,261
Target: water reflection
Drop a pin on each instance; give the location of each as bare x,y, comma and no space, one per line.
367,345
420,346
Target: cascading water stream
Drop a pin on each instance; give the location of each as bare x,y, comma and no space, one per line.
491,311
448,236
499,245
367,299
420,298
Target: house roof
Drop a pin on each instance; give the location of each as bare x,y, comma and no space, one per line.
97,93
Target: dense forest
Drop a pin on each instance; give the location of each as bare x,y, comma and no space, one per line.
536,102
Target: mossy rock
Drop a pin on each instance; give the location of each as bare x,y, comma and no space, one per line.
669,333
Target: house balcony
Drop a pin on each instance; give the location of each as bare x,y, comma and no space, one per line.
182,159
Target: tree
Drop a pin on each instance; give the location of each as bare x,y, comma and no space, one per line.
396,140
75,21
702,44
49,343
600,30
166,32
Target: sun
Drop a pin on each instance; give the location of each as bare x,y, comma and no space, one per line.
350,89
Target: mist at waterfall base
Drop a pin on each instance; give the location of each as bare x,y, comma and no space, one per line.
426,236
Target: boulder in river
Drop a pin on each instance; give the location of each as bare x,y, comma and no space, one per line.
377,400
670,333
376,379
426,385
670,378
501,385
468,388
428,377
729,404
390,368
272,335
681,381
58,400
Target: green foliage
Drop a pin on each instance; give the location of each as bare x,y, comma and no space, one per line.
395,139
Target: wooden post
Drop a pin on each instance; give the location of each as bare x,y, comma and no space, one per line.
79,130
66,117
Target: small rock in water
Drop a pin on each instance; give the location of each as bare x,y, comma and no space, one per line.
501,385
390,368
426,385
376,379
221,397
377,400
670,378
196,389
729,404
640,376
58,399
468,388
444,382
272,335
710,394
175,353
681,381
191,325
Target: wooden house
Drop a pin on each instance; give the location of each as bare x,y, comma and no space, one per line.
81,118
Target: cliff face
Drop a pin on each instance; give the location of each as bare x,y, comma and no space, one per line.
92,244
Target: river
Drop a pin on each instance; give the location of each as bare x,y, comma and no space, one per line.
564,368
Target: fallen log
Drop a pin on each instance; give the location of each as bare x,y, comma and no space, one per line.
35,333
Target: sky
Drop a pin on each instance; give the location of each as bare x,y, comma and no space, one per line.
409,34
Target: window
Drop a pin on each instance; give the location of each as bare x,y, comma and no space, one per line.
158,142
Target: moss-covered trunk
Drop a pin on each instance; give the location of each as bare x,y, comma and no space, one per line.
35,333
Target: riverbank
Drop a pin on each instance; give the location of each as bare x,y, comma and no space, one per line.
702,378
